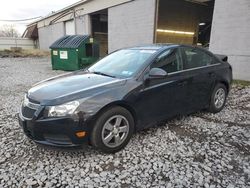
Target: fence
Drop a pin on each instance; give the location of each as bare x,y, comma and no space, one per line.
7,43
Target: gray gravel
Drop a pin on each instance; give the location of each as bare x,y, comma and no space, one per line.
201,150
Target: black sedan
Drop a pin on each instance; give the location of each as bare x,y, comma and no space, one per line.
129,90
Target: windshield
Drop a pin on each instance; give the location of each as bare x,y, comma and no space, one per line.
123,63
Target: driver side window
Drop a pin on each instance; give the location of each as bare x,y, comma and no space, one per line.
170,61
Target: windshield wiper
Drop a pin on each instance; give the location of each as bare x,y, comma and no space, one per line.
103,74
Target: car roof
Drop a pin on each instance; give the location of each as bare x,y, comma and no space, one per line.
163,46
153,47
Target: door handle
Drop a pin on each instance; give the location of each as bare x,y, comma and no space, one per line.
211,74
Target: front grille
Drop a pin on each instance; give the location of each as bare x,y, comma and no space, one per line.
28,112
29,108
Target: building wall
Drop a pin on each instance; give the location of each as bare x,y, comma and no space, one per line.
131,24
51,28
83,25
49,34
230,34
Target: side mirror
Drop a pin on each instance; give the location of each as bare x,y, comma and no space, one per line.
157,73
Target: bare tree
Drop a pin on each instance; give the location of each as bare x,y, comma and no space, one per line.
8,31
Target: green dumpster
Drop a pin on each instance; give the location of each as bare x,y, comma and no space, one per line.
74,52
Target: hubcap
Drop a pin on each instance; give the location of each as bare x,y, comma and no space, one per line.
115,131
219,98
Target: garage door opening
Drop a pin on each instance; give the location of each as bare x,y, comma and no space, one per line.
184,21
99,25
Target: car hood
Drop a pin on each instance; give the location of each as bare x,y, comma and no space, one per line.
71,87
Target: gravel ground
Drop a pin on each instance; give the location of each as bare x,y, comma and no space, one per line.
201,150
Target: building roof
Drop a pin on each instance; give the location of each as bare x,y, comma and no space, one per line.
60,11
31,32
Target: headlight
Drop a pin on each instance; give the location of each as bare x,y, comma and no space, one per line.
63,110
25,101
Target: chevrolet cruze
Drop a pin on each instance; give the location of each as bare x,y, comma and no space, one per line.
129,90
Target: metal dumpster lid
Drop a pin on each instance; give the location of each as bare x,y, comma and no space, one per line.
70,41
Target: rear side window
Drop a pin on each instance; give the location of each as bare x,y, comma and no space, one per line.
196,58
170,61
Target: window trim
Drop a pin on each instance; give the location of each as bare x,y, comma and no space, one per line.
202,67
181,58
147,68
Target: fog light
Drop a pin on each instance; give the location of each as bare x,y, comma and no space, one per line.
80,134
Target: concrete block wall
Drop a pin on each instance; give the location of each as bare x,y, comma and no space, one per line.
49,34
131,24
231,34
24,43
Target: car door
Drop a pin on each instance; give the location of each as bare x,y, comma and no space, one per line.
199,67
162,98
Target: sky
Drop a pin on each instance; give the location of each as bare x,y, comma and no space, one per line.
23,9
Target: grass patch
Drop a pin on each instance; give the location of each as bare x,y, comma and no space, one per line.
24,53
241,82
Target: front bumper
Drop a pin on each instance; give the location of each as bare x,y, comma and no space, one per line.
55,131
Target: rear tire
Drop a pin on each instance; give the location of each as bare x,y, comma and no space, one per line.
112,130
218,98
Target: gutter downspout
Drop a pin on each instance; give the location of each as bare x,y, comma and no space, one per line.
156,20
74,17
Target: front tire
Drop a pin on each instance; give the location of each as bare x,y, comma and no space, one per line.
112,130
218,98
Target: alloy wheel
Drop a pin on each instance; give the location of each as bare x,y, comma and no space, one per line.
219,98
115,131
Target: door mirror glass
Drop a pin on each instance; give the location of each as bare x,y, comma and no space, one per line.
157,73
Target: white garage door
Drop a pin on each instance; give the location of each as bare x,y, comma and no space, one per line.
69,27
